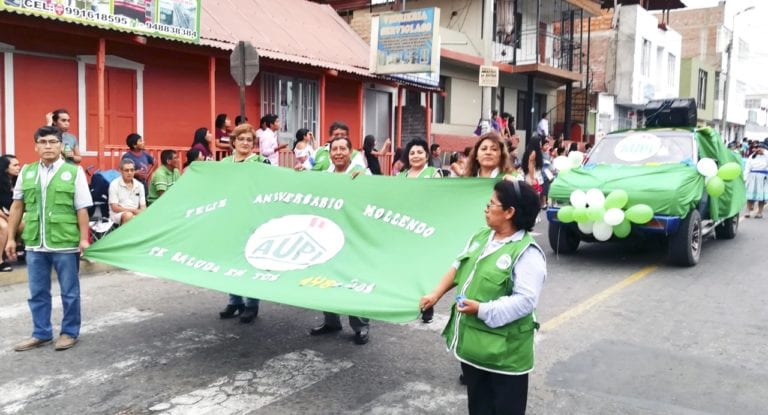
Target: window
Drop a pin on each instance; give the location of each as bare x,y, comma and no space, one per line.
671,70
645,62
294,100
717,86
701,95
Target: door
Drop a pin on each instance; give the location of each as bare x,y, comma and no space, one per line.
378,115
119,106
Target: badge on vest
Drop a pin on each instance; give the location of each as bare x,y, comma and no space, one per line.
30,175
504,261
66,176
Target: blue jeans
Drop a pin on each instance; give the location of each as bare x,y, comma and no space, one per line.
238,300
67,266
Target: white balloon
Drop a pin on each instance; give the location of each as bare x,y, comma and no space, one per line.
595,198
578,198
707,167
562,163
613,216
585,227
576,158
602,231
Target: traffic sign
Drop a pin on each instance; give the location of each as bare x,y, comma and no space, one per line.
489,76
244,63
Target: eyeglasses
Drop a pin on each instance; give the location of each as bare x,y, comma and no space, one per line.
488,206
246,139
48,142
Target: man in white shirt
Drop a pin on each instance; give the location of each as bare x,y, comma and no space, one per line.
542,129
53,197
126,195
269,146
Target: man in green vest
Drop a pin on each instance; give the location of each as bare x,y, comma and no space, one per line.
53,198
323,155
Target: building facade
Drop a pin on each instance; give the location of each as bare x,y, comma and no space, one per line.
697,80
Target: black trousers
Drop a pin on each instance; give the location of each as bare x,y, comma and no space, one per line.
491,393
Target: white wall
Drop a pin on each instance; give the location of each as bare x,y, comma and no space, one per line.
633,87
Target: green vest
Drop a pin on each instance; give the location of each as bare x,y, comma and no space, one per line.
426,173
253,157
323,158
55,219
507,349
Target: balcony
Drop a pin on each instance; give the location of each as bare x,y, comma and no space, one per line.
543,48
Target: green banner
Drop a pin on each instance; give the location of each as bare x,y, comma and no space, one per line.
369,246
173,19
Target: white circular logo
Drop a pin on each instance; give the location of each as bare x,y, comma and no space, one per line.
637,147
294,242
504,261
66,176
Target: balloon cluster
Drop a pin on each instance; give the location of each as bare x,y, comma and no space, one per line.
715,178
603,216
563,163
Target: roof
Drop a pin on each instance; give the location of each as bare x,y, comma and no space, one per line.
648,4
295,31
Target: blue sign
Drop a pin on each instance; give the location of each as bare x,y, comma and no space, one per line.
406,42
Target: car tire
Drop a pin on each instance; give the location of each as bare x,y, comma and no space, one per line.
728,228
685,244
562,239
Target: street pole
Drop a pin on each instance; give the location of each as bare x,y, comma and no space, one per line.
728,74
485,109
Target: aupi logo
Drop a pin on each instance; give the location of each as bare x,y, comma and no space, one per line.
294,242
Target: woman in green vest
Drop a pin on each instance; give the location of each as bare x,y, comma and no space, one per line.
489,158
416,163
498,279
243,139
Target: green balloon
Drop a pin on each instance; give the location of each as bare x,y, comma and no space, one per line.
729,171
580,214
595,214
715,186
616,199
623,229
565,214
639,214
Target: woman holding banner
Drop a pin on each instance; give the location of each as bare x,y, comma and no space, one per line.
243,137
416,163
489,158
499,277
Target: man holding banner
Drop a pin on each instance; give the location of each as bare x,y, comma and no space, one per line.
340,155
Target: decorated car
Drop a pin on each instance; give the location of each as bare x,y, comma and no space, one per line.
672,180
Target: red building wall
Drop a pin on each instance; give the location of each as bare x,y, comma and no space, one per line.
343,104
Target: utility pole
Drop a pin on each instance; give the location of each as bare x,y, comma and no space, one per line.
728,75
485,108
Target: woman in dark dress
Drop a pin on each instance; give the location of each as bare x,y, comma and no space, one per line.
9,171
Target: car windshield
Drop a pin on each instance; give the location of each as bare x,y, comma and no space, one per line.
644,147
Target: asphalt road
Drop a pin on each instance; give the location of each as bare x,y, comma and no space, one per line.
623,333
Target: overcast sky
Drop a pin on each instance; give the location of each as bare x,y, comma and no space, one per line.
753,28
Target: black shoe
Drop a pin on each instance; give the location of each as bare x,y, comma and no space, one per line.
426,315
231,310
461,380
249,314
361,337
323,329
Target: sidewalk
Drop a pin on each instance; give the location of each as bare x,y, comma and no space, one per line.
19,273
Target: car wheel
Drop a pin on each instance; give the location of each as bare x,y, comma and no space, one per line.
727,229
562,239
685,244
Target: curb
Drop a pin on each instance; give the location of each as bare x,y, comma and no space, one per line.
19,273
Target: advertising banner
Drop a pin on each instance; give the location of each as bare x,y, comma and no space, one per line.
406,42
172,19
369,246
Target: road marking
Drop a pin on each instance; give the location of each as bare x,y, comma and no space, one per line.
416,398
250,390
15,310
19,393
579,309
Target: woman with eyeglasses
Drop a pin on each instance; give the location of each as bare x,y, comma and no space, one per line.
243,138
498,279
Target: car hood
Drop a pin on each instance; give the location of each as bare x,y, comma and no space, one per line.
669,189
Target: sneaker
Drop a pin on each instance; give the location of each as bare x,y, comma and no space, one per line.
64,342
30,343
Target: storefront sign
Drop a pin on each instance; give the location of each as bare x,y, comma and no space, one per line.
405,42
173,19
